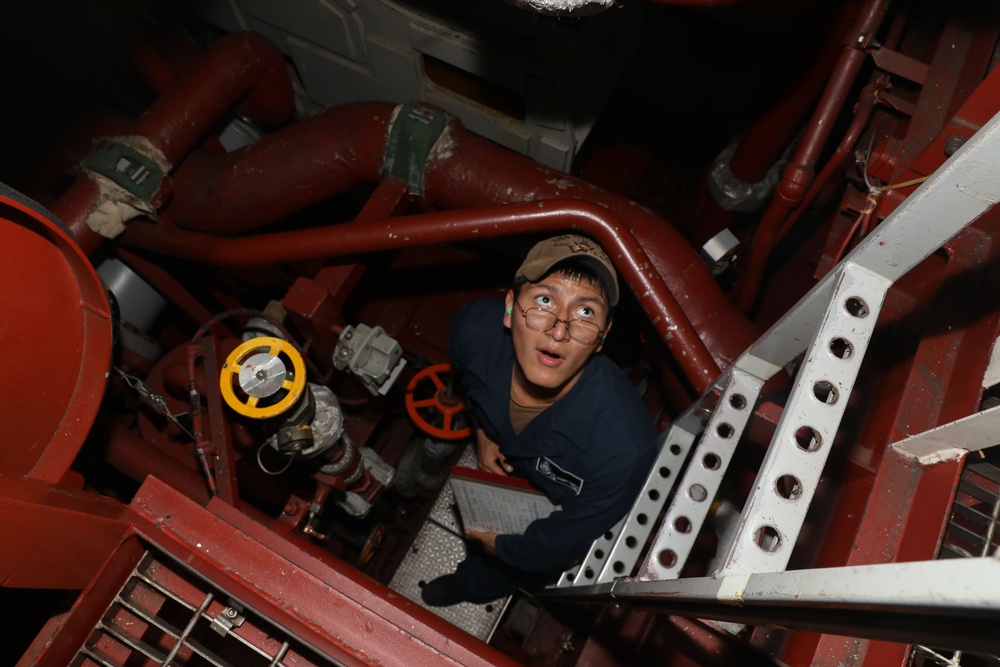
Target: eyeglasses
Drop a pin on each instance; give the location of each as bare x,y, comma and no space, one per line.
579,330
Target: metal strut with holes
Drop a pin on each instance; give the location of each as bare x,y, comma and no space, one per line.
821,342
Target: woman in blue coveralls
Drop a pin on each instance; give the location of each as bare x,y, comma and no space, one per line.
546,406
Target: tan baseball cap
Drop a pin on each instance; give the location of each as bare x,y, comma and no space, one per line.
546,254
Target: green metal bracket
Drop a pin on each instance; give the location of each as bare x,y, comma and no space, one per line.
411,138
127,167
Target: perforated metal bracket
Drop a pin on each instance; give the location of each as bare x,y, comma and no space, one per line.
773,516
616,553
702,477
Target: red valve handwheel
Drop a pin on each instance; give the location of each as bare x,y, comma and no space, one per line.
439,404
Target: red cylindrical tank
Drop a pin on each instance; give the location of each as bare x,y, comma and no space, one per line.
55,330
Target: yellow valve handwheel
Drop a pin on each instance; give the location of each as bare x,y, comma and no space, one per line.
258,371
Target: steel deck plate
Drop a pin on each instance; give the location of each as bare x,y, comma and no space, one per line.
437,550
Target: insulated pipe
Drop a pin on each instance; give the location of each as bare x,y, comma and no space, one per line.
625,250
345,146
303,164
240,64
800,172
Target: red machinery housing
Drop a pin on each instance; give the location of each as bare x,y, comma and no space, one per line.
742,150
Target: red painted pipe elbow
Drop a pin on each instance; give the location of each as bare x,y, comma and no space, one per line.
794,184
242,64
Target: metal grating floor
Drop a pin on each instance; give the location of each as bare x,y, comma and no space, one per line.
165,616
972,529
437,549
971,533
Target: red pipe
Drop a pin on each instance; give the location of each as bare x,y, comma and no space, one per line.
625,250
345,146
128,453
799,174
862,114
240,64
303,164
770,135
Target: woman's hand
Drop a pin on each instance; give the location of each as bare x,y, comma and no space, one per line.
490,457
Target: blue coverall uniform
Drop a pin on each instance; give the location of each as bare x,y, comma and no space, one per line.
590,453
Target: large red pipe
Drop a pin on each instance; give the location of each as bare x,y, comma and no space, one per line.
242,64
450,226
303,164
345,146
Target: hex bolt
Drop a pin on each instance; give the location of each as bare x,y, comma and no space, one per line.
953,143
